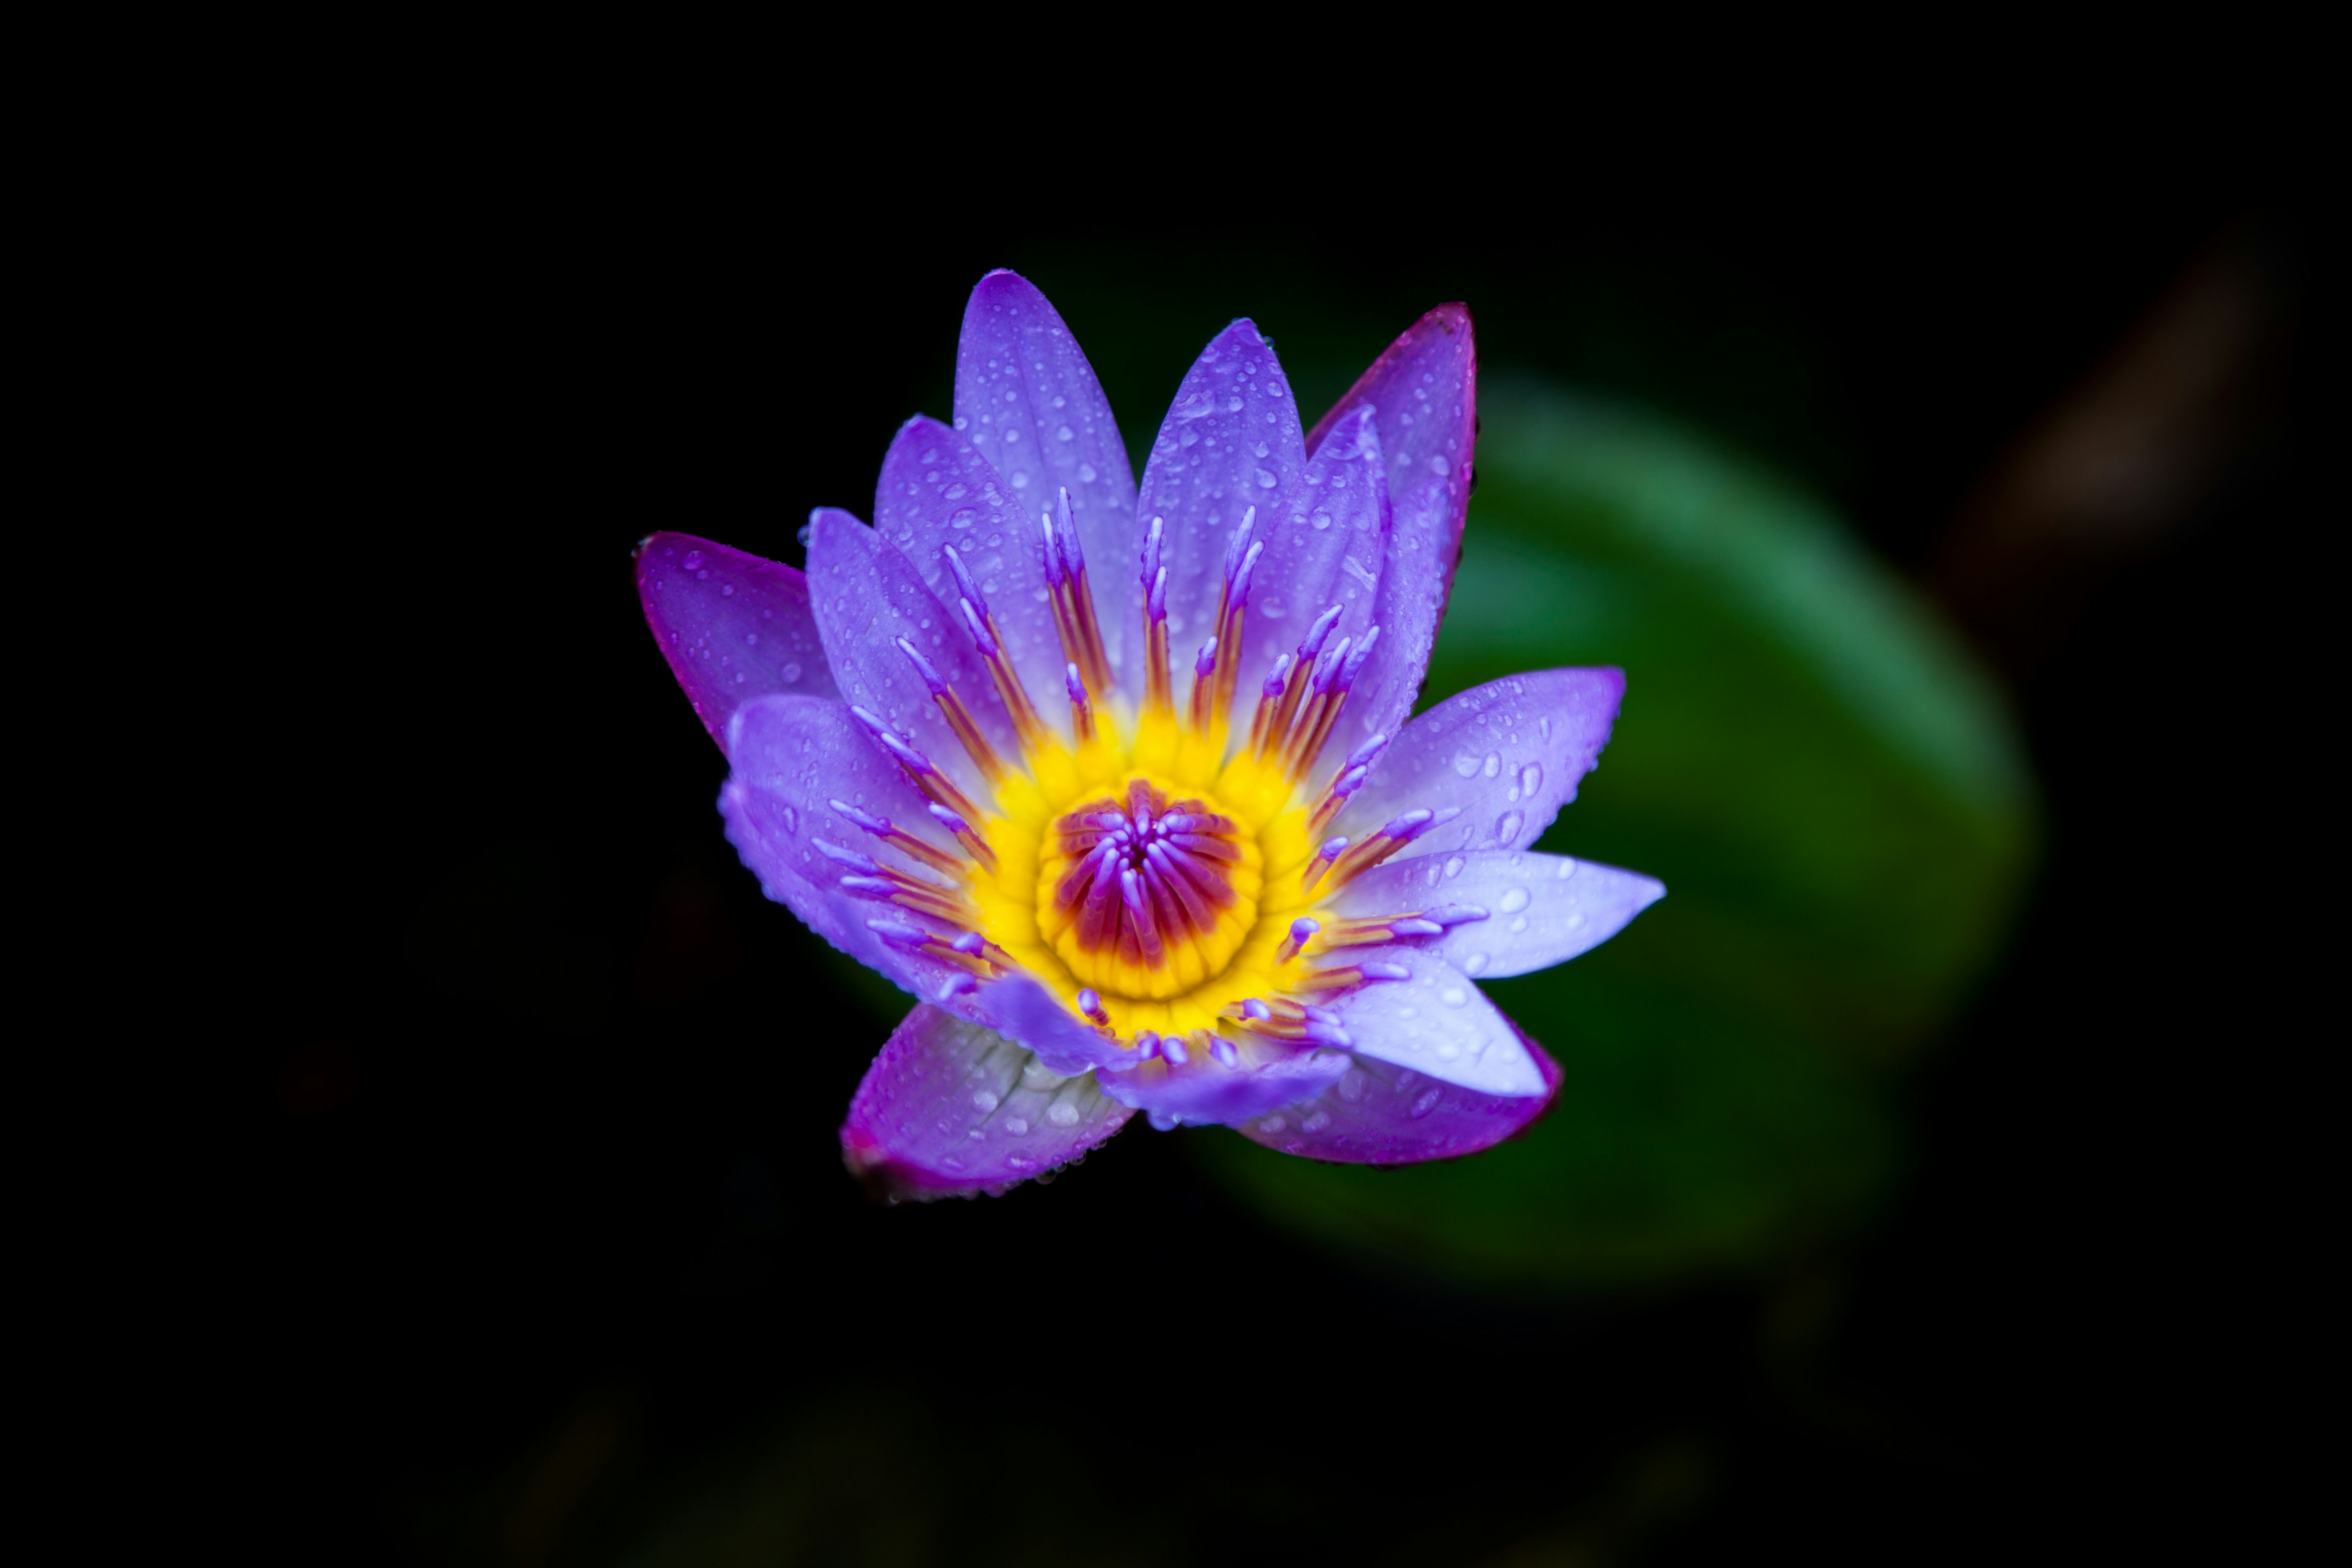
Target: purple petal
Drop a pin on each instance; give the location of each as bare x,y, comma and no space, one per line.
866,595
938,490
1377,1114
1230,443
950,1109
1027,399
1437,1023
1263,1076
1542,910
1423,391
733,627
791,756
1508,755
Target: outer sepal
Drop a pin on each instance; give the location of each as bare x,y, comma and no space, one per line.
952,1110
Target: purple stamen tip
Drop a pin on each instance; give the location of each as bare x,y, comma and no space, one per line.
898,932
924,667
1158,603
1380,971
849,858
868,717
1254,1008
1361,757
1410,826
1239,586
1415,927
909,758
876,826
878,886
978,627
1304,927
1312,642
1077,688
956,984
964,584
1356,660
1207,661
1349,783
970,942
1173,1049
949,819
1241,542
1458,914
1223,1049
1331,848
1276,683
1442,817
1146,1045
1329,670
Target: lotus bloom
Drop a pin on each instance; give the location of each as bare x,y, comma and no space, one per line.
1119,782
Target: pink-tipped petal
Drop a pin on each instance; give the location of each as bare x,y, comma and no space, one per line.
1423,391
1230,443
1263,1075
866,595
1508,755
950,1109
731,626
1435,1021
1379,1115
1027,399
793,757
1538,909
937,492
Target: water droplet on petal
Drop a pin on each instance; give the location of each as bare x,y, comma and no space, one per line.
1424,1105
1529,777
792,674
1475,964
1317,1123
1567,869
1062,1114
1016,1125
984,1101
1494,763
1454,996
693,561
1454,866
1506,827
1466,765
1513,901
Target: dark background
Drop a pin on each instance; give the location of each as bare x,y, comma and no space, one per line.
509,1203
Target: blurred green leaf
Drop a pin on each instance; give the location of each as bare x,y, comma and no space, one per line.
1830,789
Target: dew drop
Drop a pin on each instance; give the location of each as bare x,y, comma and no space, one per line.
1351,1086
1016,1125
1513,901
1265,479
1272,1125
693,561
984,1101
1475,964
1020,480
1086,473
1454,996
1519,924
792,674
1317,1123
1424,1105
1066,434
1466,765
1494,763
1454,866
1529,777
1567,869
1506,827
1063,1115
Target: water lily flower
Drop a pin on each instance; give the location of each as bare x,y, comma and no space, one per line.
1121,784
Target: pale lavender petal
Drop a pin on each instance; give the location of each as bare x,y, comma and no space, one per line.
1437,1023
793,758
1324,547
937,492
1230,445
1026,397
733,627
1424,393
950,1109
1377,1114
868,595
1263,1076
1018,1006
1508,755
1505,912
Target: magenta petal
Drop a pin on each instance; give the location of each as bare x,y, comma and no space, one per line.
793,757
1508,755
938,491
1539,910
1423,390
866,595
1437,1023
1230,443
1263,1076
950,1109
1027,399
733,627
1379,1115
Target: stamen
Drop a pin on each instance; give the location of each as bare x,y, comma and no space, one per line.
1269,697
1140,920
1310,647
898,837
1082,712
1092,655
1254,1008
1146,1045
1329,850
956,986
921,901
1335,796
983,626
958,716
1158,694
973,844
934,784
1091,1005
1204,668
1224,1051
1232,598
1338,679
1394,835
1302,927
1172,1048
1344,977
